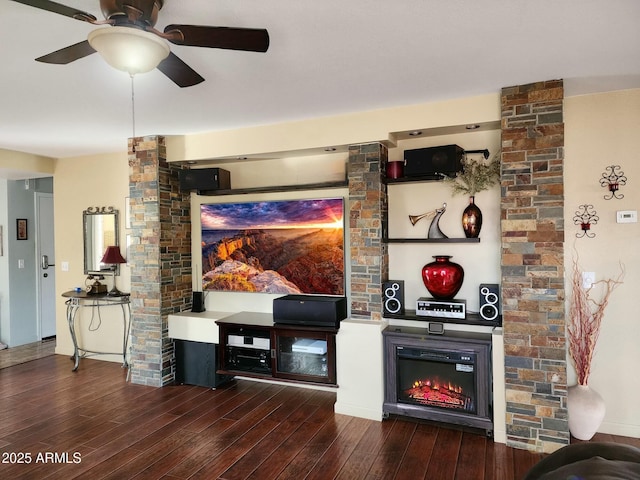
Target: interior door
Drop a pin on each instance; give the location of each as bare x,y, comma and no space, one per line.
45,252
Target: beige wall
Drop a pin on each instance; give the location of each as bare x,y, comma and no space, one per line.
79,183
18,165
602,130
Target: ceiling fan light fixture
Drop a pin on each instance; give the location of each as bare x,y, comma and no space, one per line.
129,49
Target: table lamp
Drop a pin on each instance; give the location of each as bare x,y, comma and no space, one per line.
113,257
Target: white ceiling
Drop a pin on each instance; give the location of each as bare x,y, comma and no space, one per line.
326,57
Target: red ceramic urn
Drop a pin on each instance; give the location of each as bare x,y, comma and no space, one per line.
442,277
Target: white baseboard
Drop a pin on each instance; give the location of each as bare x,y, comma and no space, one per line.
357,411
624,430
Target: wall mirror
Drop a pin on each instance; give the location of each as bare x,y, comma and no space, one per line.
100,231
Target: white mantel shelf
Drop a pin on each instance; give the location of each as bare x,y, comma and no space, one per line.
196,327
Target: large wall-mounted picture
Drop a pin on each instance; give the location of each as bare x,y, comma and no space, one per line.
288,246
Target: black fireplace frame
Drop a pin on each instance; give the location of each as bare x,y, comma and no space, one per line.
477,344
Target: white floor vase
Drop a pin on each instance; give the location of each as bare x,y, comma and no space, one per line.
586,411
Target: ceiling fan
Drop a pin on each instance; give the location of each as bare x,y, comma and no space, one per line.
137,18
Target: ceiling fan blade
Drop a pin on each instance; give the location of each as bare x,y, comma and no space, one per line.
249,39
179,72
58,8
68,54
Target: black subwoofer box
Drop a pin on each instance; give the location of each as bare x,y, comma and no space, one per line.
205,179
433,162
196,364
312,310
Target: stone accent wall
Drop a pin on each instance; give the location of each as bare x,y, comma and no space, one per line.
367,208
533,292
160,258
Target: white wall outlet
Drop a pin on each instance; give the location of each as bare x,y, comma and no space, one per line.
64,266
21,263
588,279
627,216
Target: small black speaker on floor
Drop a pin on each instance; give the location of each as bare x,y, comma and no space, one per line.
393,297
489,301
197,302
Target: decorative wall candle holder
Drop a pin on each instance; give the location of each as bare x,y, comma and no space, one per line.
613,178
585,217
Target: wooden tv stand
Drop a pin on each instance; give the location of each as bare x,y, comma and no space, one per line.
252,345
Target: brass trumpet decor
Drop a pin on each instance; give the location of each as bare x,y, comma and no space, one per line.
434,229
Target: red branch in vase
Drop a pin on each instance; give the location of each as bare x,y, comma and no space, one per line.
585,319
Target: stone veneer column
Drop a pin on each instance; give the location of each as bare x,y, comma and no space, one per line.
160,258
533,293
367,208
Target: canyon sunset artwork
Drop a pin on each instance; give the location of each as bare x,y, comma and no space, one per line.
287,247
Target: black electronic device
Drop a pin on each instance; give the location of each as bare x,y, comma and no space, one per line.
489,301
393,297
197,302
431,307
433,162
205,179
249,350
196,364
311,310
248,359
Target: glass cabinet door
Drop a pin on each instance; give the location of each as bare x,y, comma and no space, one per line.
305,356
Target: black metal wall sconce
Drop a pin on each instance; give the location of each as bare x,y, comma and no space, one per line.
585,218
613,178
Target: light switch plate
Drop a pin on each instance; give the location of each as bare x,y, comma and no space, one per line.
588,279
627,216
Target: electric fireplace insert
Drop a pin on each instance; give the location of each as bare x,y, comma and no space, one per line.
444,378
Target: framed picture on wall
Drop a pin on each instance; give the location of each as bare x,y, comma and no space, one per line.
21,228
274,246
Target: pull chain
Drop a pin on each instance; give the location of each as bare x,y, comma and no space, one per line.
133,116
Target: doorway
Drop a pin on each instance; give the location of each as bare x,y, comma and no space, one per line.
45,255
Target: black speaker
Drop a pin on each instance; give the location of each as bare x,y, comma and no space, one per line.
489,301
197,302
433,161
205,179
197,363
310,310
393,297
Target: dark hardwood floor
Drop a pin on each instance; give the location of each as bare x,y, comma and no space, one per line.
92,424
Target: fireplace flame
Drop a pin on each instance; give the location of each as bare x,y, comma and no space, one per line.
435,385
434,392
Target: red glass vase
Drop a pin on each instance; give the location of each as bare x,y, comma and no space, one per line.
442,277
